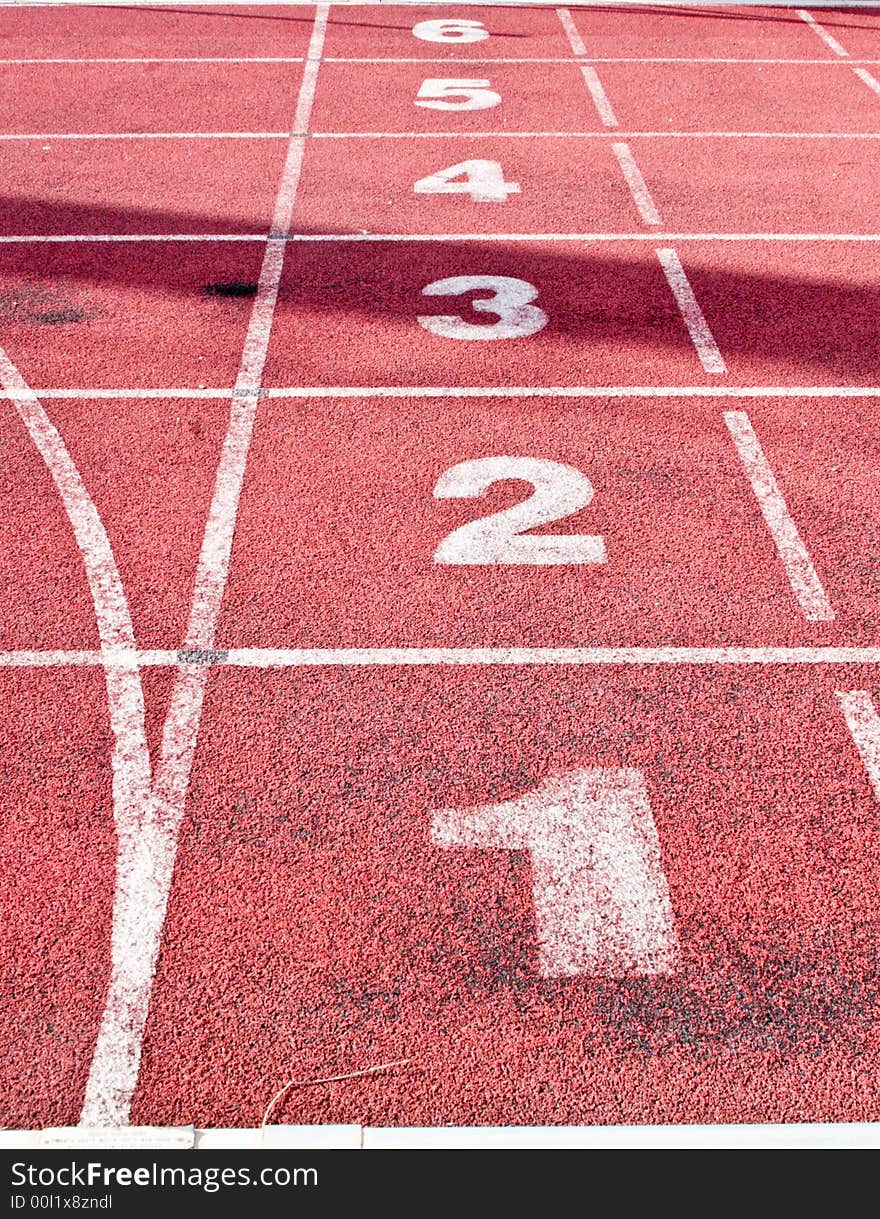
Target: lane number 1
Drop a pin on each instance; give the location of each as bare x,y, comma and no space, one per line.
601,899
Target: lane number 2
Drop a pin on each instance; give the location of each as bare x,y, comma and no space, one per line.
559,492
510,302
482,180
456,94
450,30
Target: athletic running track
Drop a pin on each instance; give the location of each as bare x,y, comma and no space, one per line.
440,554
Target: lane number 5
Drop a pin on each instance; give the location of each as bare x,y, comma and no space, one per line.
456,94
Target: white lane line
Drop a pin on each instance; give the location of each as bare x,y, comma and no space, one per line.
365,59
601,900
525,135
600,97
870,81
802,576
692,315
157,59
61,238
559,59
637,185
473,391
217,543
282,657
291,658
130,759
571,32
142,885
647,203
47,137
821,32
863,723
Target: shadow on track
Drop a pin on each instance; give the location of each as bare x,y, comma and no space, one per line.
767,301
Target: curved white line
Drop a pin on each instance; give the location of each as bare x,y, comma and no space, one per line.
132,796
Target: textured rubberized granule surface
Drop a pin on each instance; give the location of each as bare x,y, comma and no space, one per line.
439,535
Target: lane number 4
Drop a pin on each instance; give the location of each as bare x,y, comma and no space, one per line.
482,180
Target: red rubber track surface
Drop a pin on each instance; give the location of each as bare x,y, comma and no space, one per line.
313,927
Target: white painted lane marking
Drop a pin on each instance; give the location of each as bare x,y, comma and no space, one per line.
571,32
521,135
366,59
637,185
282,658
802,576
446,59
870,81
217,543
58,238
145,869
511,188
146,135
130,759
46,137
601,900
137,59
692,315
600,97
821,32
474,391
863,723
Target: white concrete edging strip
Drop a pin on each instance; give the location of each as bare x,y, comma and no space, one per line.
831,1135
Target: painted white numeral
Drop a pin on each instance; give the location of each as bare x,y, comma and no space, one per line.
510,302
482,180
457,95
601,899
559,492
450,31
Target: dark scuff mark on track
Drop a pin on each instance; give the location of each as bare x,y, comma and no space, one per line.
772,1000
33,304
235,287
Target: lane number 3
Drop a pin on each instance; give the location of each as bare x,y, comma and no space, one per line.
510,302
